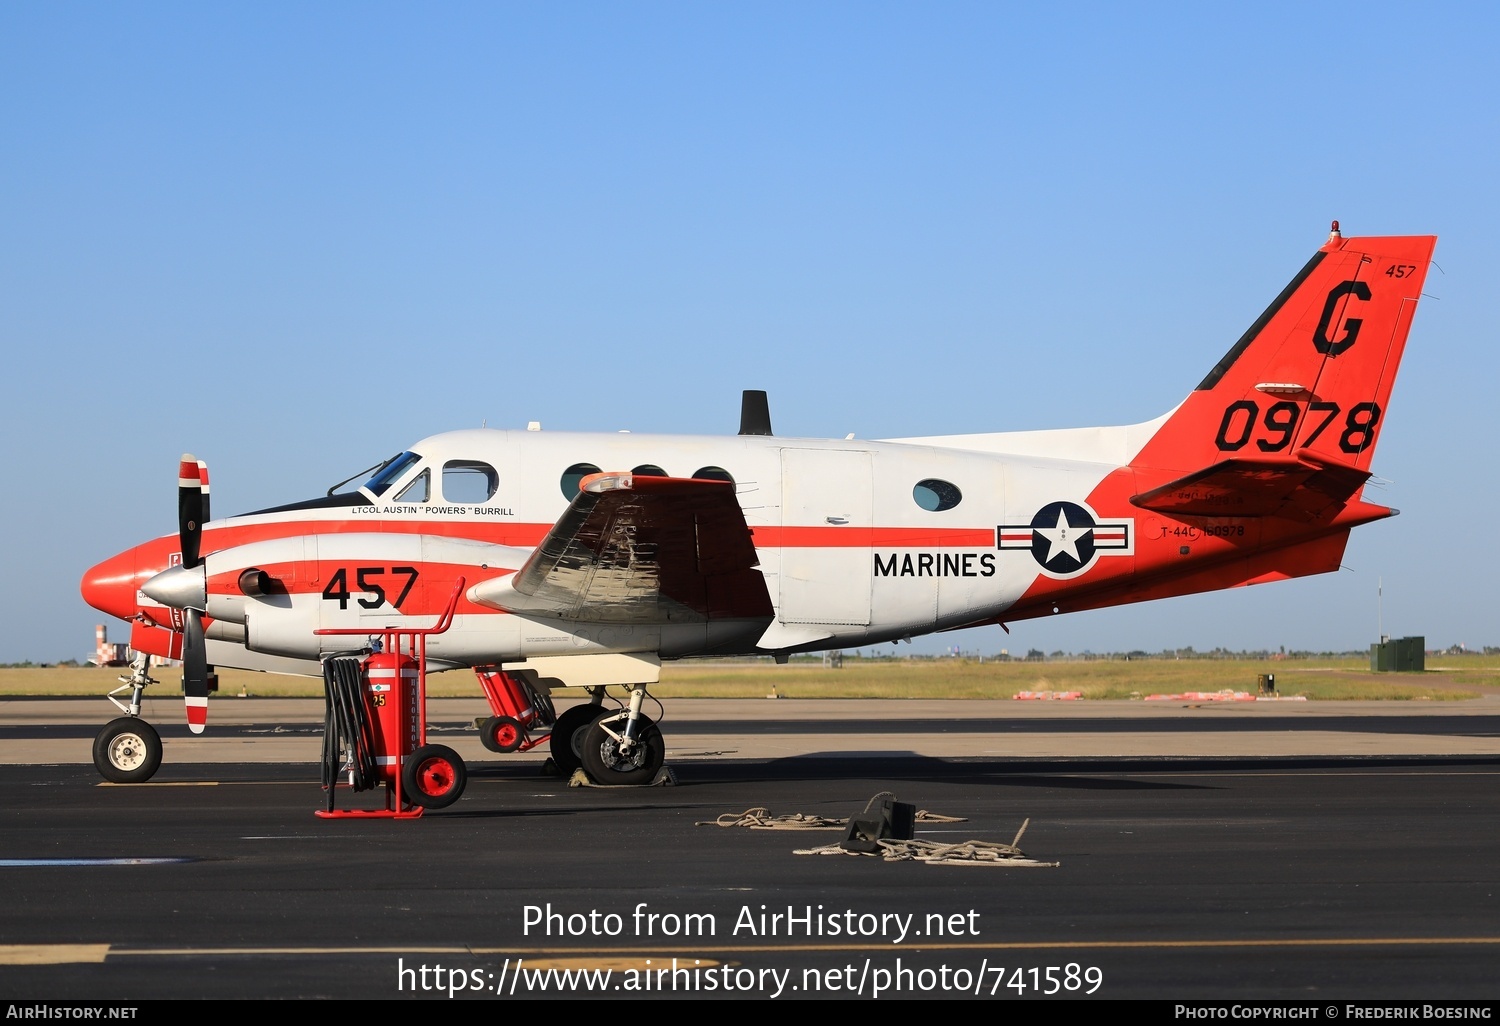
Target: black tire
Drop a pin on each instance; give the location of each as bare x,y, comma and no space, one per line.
502,734
568,734
602,758
433,777
127,751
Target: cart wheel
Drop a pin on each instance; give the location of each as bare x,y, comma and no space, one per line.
501,734
607,765
127,750
568,734
433,777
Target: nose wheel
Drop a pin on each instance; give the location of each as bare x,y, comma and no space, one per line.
127,751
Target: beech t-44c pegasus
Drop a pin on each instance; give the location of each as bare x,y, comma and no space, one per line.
588,559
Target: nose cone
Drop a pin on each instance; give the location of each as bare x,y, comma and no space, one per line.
179,587
110,587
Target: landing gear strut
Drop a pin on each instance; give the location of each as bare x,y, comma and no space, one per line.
128,749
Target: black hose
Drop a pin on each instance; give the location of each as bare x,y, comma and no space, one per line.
347,729
541,701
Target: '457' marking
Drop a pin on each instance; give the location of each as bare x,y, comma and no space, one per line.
338,585
1243,421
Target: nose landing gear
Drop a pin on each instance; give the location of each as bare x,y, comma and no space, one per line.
128,749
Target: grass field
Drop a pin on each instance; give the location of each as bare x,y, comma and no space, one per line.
1451,678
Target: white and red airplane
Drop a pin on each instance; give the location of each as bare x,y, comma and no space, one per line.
590,558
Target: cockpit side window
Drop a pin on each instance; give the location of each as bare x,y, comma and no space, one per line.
391,472
469,481
418,490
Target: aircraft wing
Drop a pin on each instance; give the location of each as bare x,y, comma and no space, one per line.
633,549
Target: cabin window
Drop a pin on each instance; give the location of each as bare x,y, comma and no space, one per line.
935,496
469,481
574,474
649,470
712,474
418,490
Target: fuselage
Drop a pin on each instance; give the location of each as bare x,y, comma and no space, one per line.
858,542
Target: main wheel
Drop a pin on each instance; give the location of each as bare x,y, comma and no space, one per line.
568,734
433,777
127,751
607,764
501,734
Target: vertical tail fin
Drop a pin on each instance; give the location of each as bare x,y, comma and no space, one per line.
1309,382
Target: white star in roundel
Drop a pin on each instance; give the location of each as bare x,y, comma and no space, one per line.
1062,539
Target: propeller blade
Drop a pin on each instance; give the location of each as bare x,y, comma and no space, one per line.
203,480
190,508
195,670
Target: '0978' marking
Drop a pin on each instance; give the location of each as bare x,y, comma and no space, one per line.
365,581
1243,421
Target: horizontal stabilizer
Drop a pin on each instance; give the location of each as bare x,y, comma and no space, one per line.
1303,491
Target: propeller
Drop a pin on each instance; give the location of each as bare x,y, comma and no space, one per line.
192,513
192,507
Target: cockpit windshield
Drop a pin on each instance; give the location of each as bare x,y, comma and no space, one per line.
392,470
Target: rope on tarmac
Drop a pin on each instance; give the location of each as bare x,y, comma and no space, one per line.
935,853
761,819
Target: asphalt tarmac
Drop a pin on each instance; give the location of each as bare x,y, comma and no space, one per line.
1308,852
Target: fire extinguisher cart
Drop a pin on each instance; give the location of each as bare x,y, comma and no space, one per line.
375,727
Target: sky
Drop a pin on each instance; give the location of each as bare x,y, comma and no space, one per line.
293,239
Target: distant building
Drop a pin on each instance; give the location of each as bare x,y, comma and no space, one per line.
106,652
110,653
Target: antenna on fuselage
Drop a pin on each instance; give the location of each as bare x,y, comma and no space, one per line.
755,413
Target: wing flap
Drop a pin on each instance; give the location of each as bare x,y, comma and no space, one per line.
633,549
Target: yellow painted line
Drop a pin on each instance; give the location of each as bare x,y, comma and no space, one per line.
51,954
164,783
216,952
56,954
214,783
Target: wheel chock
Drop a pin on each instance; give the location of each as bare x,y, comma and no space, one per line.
664,778
895,821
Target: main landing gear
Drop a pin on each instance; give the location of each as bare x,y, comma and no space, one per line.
619,750
570,731
617,747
